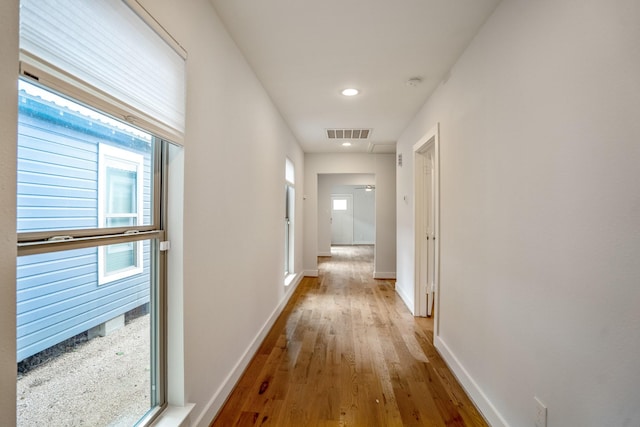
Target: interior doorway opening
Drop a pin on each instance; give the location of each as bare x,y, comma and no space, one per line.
346,211
353,216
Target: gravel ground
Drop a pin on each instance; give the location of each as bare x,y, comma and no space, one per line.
101,382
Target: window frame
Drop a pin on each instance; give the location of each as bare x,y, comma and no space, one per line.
29,241
113,157
289,220
39,242
55,76
289,232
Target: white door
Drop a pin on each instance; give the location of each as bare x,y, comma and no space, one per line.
426,211
341,219
425,231
429,226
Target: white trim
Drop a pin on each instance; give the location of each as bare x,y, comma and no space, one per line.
175,308
324,253
405,299
310,273
482,402
384,275
222,393
128,160
174,416
292,277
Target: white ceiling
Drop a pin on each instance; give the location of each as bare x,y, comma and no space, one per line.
305,52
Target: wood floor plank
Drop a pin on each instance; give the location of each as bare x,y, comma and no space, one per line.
347,352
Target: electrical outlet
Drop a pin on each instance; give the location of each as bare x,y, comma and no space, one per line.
541,413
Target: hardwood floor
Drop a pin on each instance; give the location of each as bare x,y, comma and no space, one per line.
347,352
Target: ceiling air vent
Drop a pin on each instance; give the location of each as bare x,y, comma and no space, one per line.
348,133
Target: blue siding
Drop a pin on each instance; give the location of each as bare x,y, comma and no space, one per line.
58,302
60,172
58,295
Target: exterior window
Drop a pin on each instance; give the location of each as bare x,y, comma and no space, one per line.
289,210
120,205
89,261
90,208
288,230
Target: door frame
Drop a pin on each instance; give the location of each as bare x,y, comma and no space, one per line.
431,140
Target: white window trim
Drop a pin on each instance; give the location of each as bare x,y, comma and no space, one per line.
123,159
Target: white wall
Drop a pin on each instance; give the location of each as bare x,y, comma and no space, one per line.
8,138
540,208
380,165
233,236
344,184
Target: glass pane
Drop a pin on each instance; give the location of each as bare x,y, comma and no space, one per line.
87,353
288,235
121,191
286,247
289,172
120,257
339,204
60,165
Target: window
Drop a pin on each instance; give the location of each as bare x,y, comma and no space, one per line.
89,214
288,229
105,94
289,193
120,197
339,204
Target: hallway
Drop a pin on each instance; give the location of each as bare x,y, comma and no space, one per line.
346,351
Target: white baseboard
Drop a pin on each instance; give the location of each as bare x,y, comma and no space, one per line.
475,393
324,253
220,396
310,273
409,302
384,275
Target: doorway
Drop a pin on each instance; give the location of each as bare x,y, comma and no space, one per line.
362,189
427,239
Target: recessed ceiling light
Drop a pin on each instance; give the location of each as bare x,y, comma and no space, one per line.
350,92
346,144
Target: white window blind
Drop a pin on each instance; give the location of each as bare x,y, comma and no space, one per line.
104,44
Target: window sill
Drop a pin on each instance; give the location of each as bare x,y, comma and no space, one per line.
174,416
289,279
